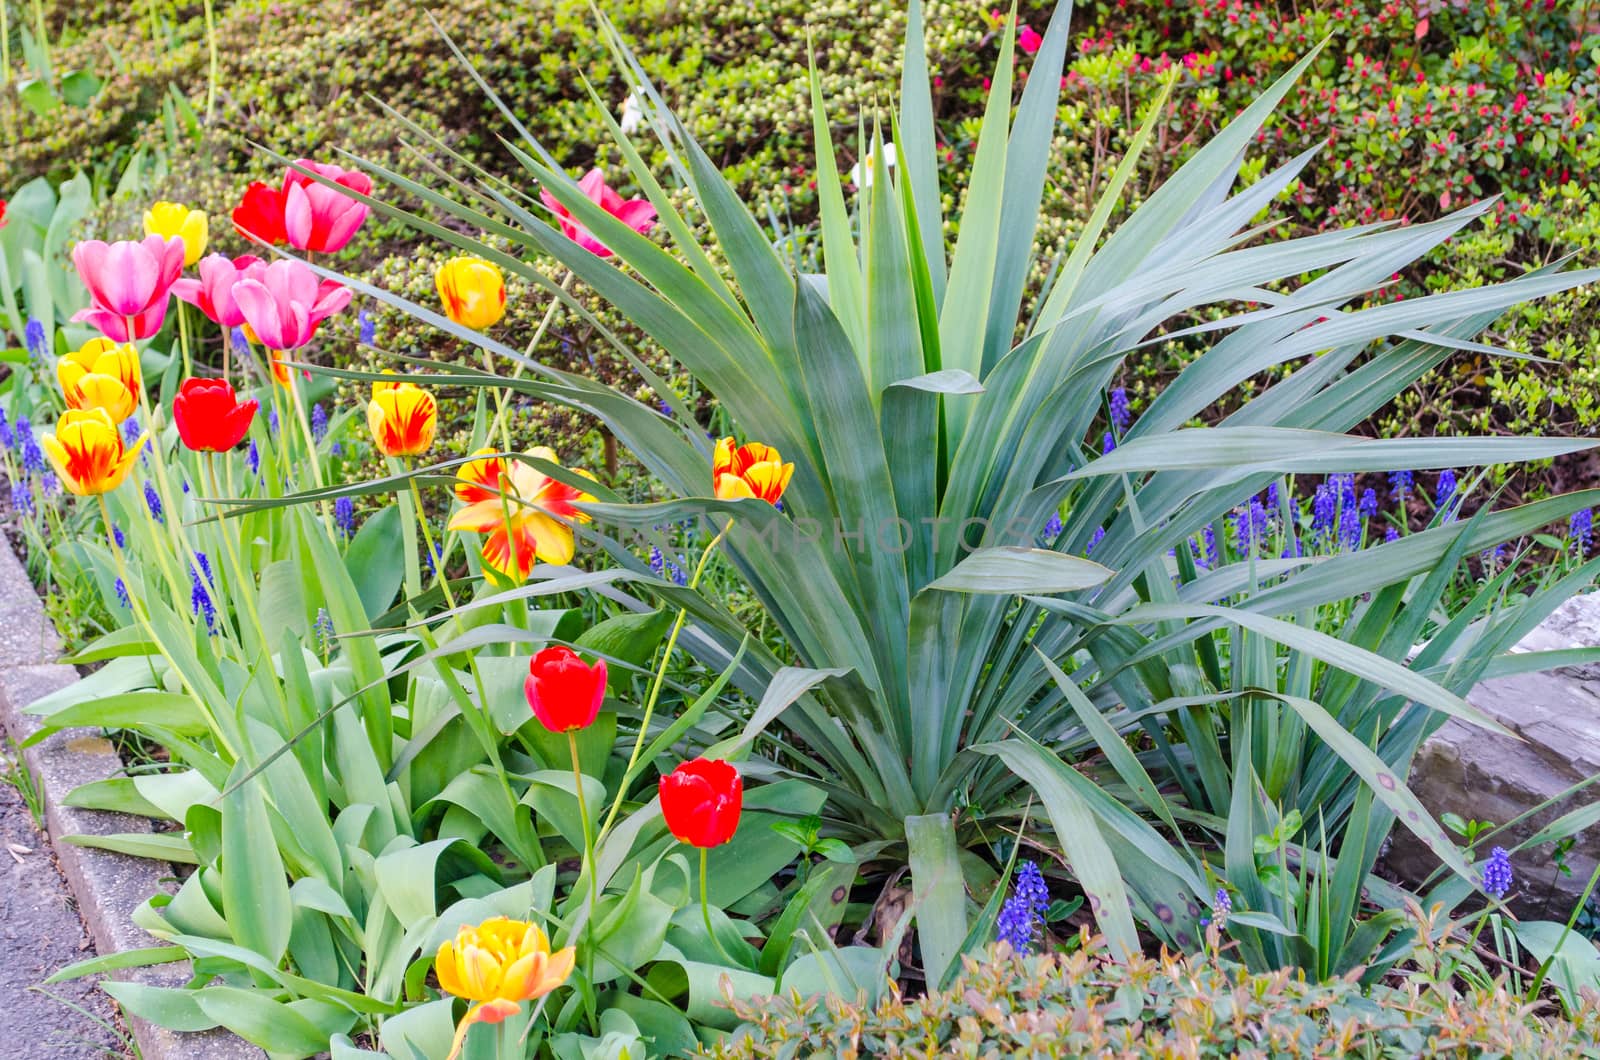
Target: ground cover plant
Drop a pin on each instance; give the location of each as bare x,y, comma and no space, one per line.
474,748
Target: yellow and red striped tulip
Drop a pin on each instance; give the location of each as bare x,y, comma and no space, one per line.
101,374
750,470
473,292
171,220
526,513
88,453
402,417
498,965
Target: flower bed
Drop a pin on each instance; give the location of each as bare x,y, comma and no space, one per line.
927,634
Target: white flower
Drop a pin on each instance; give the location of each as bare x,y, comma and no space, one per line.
632,115
861,172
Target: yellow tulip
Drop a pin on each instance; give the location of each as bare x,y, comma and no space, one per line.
88,453
498,965
402,418
472,290
173,219
101,374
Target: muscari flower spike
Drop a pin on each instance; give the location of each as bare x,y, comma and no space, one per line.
252,460
152,500
7,437
34,337
1580,531
344,516
22,497
1121,414
1052,528
1022,916
1445,494
1399,485
368,326
122,594
1497,877
1098,536
325,630
319,422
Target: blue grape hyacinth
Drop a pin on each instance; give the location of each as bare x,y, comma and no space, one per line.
34,337
344,516
1121,414
152,500
1497,877
1022,917
1580,531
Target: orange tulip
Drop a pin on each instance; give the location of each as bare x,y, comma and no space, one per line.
402,417
499,964
101,374
750,470
525,512
88,453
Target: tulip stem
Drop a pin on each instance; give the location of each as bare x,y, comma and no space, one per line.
499,424
588,828
705,911
136,605
433,553
658,681
211,43
227,350
246,585
183,339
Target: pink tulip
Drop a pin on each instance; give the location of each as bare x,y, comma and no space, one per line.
129,284
286,303
637,214
1028,40
212,293
319,218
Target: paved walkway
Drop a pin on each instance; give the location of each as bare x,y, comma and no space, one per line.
40,932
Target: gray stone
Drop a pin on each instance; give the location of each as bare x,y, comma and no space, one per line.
1465,770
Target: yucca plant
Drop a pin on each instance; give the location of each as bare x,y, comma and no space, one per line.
939,412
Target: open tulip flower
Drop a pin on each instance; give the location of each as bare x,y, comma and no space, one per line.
129,284
498,965
319,218
637,214
172,220
212,293
563,691
749,470
209,415
101,374
701,801
286,302
402,417
525,512
472,290
88,452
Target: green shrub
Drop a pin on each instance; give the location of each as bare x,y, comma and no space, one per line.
1083,1003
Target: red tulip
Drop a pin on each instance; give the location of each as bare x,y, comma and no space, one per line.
209,416
701,801
564,692
259,215
2,213
317,217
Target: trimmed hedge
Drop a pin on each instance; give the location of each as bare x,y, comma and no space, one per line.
1084,1004
1416,108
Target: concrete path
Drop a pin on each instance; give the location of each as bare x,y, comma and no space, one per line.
40,931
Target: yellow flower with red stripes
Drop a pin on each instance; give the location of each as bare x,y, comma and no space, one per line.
402,418
750,470
88,452
526,514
